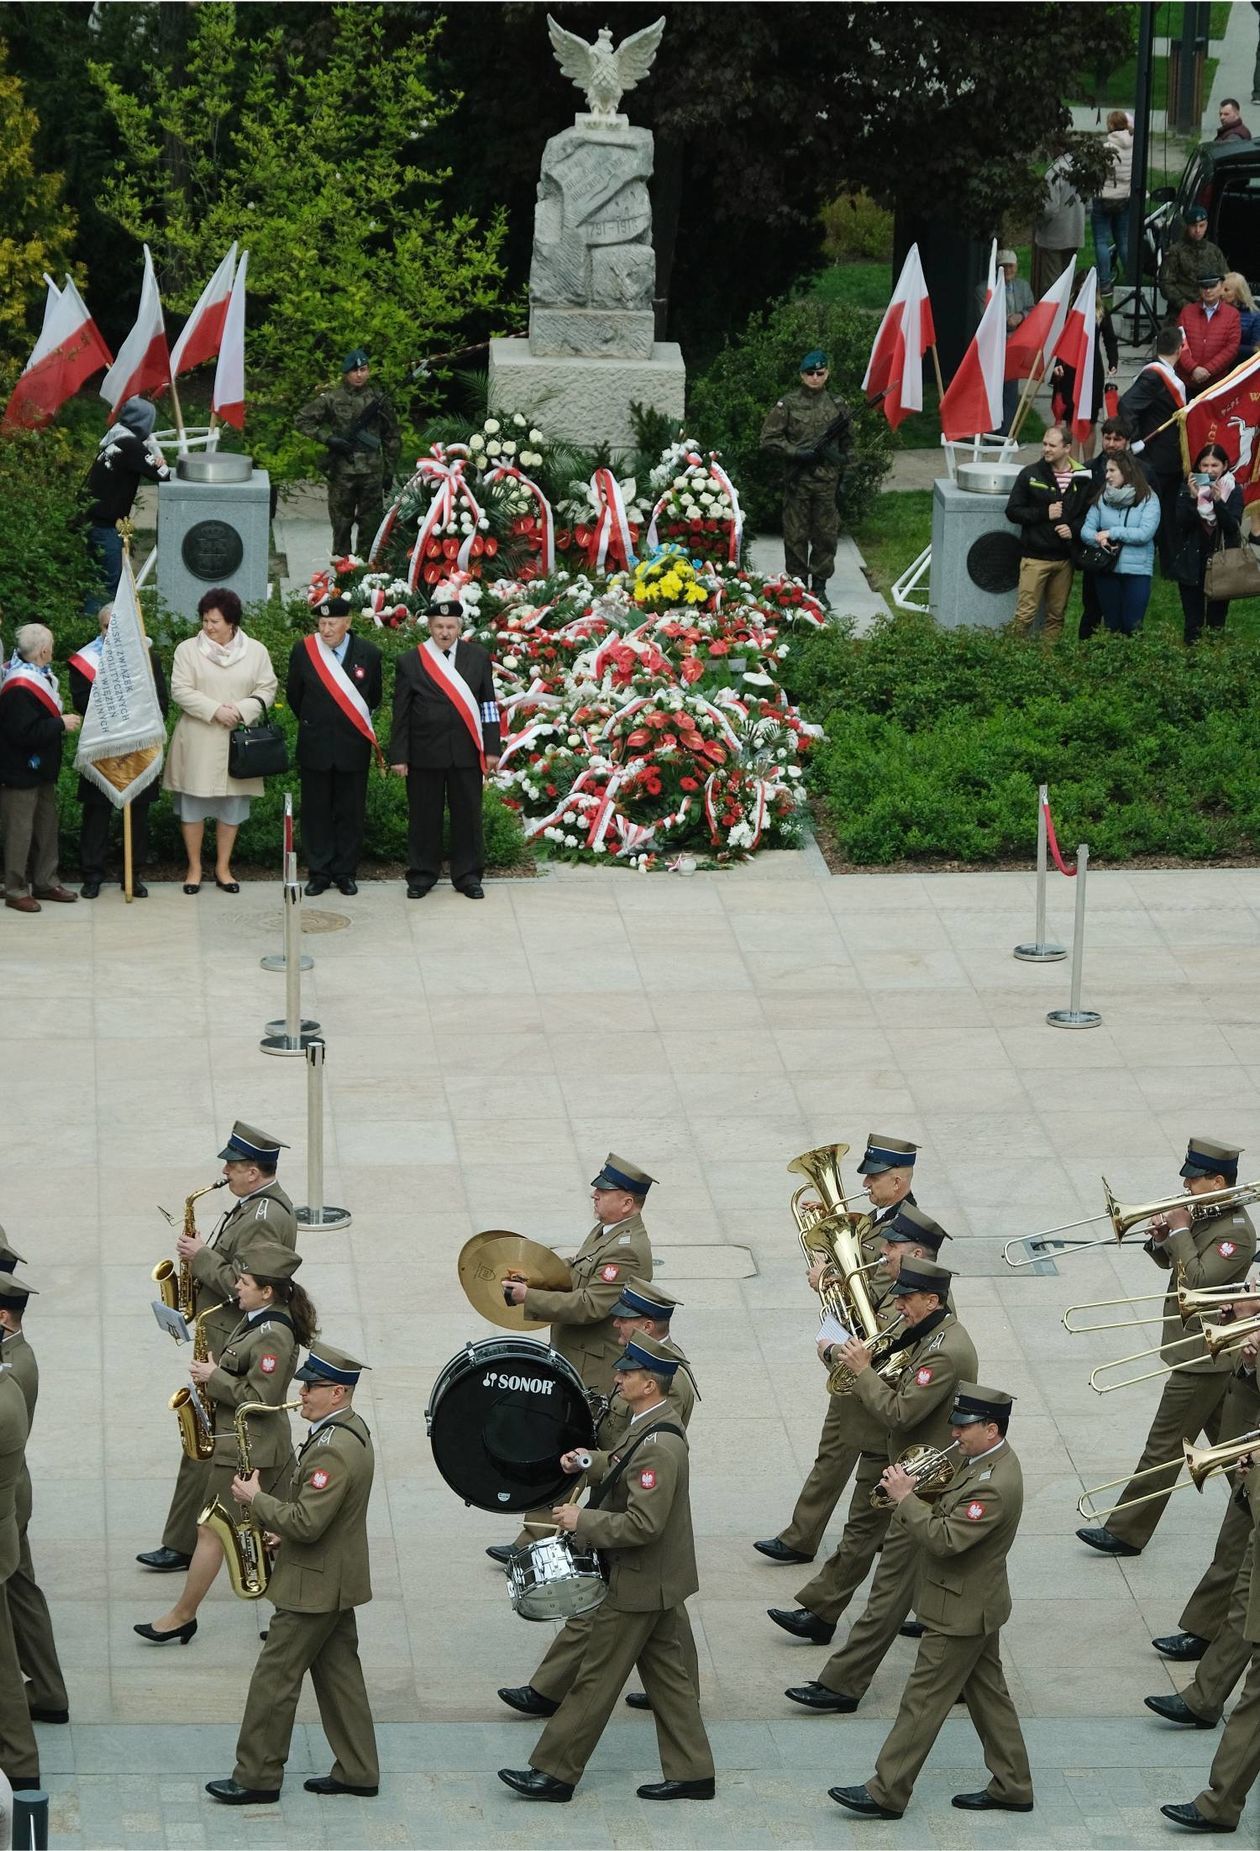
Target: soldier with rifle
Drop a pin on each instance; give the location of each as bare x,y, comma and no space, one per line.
358,428
810,429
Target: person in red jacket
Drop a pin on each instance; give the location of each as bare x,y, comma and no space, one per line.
1213,334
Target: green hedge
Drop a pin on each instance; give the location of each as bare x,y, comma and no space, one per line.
937,740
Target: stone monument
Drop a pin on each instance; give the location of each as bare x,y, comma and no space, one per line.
592,349
214,528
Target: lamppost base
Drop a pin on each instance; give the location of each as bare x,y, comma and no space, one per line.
1074,1018
331,1220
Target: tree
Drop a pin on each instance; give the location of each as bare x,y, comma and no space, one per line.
36,226
309,153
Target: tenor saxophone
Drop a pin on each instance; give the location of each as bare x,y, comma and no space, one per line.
249,1565
191,1405
175,1283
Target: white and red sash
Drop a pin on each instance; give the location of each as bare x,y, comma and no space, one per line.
1174,382
25,675
456,690
343,691
88,659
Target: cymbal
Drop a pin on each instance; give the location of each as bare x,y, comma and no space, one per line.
488,1258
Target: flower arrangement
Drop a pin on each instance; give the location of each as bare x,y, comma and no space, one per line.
696,503
668,577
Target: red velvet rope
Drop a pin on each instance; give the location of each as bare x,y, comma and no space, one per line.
1052,841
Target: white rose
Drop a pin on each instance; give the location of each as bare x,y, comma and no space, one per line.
575,739
493,447
511,661
476,441
601,848
570,841
536,437
508,447
794,771
483,522
518,420
492,427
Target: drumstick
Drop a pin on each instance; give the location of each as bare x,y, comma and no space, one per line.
571,1499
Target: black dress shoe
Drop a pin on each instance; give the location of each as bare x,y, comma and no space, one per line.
528,1701
164,1561
802,1624
324,1784
228,1793
532,1785
678,1790
1187,1815
317,884
501,1552
776,1551
90,890
858,1800
139,891
416,890
1174,1708
816,1696
473,891
347,885
913,1629
638,1700
182,1633
1106,1543
988,1802
1186,1647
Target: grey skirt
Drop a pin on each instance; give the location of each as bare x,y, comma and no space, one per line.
231,810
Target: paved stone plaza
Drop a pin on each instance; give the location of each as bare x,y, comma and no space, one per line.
481,1061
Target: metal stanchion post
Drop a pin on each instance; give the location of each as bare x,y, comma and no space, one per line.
1074,1016
274,960
292,1035
317,1214
30,1820
1040,951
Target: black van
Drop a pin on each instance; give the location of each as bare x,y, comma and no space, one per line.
1223,178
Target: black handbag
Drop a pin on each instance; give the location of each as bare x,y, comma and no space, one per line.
258,751
1098,559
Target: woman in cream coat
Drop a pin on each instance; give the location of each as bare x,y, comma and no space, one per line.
220,679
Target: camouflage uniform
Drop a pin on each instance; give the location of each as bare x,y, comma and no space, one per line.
811,520
1187,260
363,417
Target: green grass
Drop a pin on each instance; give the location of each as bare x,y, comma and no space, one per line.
1118,88
857,285
1168,19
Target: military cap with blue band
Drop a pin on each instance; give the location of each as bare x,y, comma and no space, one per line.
1205,1157
973,1403
643,1352
886,1154
911,1224
324,1365
618,1174
922,1276
248,1144
641,1300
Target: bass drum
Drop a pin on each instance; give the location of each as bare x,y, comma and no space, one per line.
500,1415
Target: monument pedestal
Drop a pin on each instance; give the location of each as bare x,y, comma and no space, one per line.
587,401
975,558
213,533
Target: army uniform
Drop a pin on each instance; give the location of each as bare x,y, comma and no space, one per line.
19,1755
321,1575
962,1539
359,429
795,429
256,1364
28,1609
1205,1612
1216,1249
1237,1759
1187,260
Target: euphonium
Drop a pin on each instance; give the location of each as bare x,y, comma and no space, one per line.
242,1536
889,1364
191,1405
930,1467
175,1283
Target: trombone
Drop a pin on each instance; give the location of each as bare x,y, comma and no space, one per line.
1200,1461
1206,1298
1216,1338
1125,1216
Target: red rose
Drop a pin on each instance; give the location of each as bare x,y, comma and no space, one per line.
689,784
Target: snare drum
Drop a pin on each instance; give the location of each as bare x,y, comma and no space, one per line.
500,1415
555,1579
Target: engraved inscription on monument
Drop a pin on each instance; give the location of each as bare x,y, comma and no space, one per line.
213,551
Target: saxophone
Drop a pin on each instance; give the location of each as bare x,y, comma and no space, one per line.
249,1566
175,1283
191,1405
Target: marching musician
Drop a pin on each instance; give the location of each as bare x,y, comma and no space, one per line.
963,1538
19,1754
888,1166
260,1209
334,688
321,1575
908,1236
643,1310
1214,1248
257,1364
640,1515
28,1609
915,1410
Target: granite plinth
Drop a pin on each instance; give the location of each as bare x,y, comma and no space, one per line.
975,558
587,401
592,333
213,533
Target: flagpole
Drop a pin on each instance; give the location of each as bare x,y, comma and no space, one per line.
179,418
1031,385
936,363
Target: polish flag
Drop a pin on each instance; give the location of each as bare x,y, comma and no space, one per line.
144,359
895,368
1040,329
972,405
1076,347
228,398
69,350
204,328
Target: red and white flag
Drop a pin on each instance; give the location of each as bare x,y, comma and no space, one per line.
895,368
144,359
204,328
972,405
227,401
1075,347
1040,329
69,350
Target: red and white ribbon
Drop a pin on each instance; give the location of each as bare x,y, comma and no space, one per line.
547,557
610,547
451,489
342,690
457,691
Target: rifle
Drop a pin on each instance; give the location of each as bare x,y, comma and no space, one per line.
838,427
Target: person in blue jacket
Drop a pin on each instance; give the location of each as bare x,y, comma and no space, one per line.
1124,519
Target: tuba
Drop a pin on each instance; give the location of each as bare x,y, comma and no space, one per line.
175,1283
930,1467
830,1237
191,1405
249,1566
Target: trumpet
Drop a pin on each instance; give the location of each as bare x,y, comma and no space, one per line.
931,1468
1200,1461
1216,1339
1126,1216
1189,1304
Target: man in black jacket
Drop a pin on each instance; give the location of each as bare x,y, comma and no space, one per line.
445,737
1150,404
97,808
334,688
32,733
1048,504
127,456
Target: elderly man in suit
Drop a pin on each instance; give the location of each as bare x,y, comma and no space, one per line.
334,688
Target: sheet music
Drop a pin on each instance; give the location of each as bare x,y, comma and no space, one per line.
831,1330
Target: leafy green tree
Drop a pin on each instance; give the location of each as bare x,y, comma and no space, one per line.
36,225
312,155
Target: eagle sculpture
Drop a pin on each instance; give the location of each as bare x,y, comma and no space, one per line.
603,74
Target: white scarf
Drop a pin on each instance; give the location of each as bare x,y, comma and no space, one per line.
223,655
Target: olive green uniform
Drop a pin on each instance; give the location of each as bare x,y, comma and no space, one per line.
1237,1759
1188,259
645,1530
256,1364
19,1756
1214,1250
581,1317
363,417
1207,1607
962,1540
321,1575
914,1412
267,1213
794,429
28,1610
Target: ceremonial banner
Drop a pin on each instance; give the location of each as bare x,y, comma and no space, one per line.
1228,413
123,735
